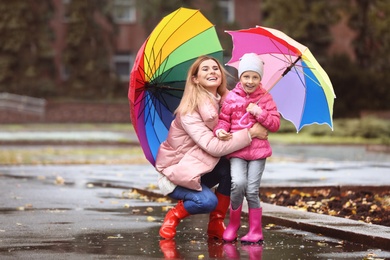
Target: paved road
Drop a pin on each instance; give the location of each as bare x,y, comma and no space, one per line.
92,212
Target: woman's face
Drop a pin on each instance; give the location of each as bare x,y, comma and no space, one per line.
209,75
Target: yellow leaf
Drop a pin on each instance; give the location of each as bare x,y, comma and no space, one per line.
322,244
115,237
150,219
59,180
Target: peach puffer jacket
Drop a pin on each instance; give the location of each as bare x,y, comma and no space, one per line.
191,149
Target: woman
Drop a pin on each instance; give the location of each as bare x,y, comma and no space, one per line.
189,160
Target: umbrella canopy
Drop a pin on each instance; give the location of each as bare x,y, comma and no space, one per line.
158,76
299,85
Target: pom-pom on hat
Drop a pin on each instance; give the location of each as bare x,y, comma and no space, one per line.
250,62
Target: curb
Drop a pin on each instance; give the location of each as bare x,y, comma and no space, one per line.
351,230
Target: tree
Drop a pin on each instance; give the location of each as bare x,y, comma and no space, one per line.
306,21
371,20
86,56
26,58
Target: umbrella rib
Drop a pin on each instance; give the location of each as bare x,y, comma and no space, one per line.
292,64
287,58
300,69
159,53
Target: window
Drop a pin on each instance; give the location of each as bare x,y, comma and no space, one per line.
227,8
122,63
125,11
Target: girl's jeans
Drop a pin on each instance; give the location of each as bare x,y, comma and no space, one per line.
205,201
246,177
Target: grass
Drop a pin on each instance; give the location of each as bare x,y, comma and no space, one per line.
46,155
369,131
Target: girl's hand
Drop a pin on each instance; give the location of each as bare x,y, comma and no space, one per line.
223,135
254,109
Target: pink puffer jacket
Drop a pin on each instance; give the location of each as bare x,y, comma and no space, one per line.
234,108
191,149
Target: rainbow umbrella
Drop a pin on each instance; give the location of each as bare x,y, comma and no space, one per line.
298,84
158,76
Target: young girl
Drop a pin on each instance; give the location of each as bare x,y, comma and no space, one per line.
189,162
247,164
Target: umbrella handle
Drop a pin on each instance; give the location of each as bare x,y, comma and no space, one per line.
242,118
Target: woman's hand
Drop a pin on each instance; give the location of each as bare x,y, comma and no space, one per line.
258,131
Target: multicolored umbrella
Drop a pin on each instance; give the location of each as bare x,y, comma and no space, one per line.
299,85
158,76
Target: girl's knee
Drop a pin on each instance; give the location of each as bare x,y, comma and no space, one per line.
238,185
254,197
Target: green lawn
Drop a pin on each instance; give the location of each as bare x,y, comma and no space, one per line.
346,131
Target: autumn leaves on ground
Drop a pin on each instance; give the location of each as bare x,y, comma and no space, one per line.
363,205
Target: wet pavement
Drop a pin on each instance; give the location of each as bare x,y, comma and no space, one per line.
115,211
93,212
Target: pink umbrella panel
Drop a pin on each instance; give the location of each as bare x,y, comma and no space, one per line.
300,87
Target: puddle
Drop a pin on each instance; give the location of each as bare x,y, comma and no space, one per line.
190,243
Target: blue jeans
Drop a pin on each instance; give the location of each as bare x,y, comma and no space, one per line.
205,201
246,178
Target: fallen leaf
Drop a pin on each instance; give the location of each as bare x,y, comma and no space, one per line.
59,180
115,237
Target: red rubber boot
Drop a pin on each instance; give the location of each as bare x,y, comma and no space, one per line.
172,219
216,225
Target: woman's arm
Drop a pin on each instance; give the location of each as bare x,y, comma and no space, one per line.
204,137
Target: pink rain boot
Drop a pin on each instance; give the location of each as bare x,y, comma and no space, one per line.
230,233
255,234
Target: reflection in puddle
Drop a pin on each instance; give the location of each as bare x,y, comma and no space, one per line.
103,218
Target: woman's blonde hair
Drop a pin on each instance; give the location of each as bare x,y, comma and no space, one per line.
194,94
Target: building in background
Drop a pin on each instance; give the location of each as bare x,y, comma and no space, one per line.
130,32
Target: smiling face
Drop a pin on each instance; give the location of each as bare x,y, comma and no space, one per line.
209,76
250,81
